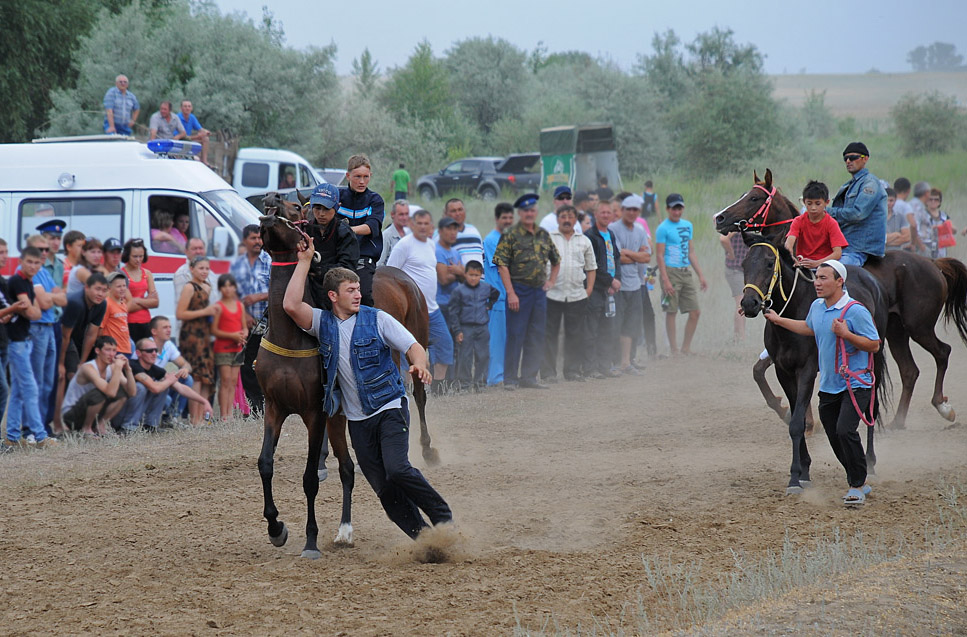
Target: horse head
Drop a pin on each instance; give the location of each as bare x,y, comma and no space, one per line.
763,269
278,232
276,204
732,217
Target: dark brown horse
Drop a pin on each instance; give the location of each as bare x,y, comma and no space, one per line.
918,290
290,373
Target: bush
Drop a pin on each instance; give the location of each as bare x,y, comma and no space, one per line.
928,123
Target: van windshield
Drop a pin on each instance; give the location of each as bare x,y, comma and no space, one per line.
238,212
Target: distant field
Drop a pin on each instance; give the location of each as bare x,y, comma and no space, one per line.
868,96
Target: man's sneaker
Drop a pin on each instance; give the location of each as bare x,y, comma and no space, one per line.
47,443
14,444
30,439
630,370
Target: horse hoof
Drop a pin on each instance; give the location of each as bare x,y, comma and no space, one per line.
805,484
281,538
323,473
344,537
431,456
947,411
796,490
311,554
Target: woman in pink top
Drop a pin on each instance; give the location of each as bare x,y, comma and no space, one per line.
143,294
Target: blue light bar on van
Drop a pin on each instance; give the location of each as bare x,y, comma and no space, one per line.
173,147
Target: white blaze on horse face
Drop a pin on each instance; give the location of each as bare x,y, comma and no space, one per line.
720,212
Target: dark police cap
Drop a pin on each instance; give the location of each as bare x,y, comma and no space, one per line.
856,147
446,222
54,226
525,201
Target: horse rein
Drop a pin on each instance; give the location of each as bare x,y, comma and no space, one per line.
776,276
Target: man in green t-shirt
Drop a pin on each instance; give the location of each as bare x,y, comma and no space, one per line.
401,183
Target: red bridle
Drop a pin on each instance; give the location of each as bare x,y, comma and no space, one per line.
746,224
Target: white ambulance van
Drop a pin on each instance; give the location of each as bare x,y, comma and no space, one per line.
111,186
260,170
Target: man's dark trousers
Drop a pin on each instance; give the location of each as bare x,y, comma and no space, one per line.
525,334
602,341
574,316
253,391
840,420
382,445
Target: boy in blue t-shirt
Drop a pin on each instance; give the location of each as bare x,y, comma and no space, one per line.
673,246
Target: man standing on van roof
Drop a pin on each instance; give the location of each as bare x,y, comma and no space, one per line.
363,209
164,125
121,108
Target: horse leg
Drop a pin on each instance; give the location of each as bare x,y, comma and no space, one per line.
347,476
796,433
316,423
926,337
899,341
774,402
797,422
278,533
430,454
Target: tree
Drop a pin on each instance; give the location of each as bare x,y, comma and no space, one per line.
939,56
420,89
929,123
487,77
366,73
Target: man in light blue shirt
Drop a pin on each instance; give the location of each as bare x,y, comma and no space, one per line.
673,247
831,317
121,108
503,219
193,129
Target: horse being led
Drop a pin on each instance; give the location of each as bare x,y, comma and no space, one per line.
773,281
918,290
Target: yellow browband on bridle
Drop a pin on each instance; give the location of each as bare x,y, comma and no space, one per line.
288,353
776,276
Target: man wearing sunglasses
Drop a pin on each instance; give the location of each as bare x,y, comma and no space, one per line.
860,208
562,197
152,383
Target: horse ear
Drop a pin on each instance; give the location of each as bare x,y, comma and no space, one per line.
768,179
755,177
302,200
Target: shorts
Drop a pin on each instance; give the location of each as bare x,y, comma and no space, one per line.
441,343
232,359
630,311
685,298
736,279
74,417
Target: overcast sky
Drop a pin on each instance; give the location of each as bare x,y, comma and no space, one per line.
820,36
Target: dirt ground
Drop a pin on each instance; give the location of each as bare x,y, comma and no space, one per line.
558,496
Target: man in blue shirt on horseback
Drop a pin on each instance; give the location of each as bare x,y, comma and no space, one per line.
356,343
860,208
835,318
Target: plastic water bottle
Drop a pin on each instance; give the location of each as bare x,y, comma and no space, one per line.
611,309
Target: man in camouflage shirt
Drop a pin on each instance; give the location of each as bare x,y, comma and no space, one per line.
521,257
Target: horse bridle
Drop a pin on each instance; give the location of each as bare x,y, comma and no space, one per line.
746,224
776,276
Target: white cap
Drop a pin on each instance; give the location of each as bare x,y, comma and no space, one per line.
633,201
839,267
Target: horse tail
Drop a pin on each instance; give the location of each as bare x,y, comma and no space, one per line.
955,305
883,393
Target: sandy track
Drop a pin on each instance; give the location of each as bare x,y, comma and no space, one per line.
558,496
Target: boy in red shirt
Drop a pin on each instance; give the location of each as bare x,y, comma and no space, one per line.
815,237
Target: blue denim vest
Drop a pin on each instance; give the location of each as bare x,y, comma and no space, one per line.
860,209
378,379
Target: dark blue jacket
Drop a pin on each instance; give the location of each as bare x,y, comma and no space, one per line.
471,306
378,378
364,207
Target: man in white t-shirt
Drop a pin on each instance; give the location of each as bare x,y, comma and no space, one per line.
415,254
371,395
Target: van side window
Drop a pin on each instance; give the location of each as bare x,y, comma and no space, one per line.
219,240
306,180
287,178
170,223
101,217
255,174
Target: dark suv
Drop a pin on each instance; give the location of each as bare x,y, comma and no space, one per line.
483,176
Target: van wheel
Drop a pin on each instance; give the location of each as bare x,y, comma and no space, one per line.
426,193
488,193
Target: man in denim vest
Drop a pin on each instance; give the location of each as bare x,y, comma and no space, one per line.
860,208
356,344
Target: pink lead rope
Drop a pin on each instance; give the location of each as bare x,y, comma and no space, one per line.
842,365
